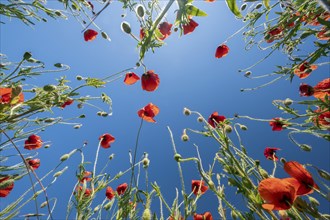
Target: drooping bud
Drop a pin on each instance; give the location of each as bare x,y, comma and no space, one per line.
79,78
247,73
305,147
200,119
228,129
177,157
145,162
324,174
64,157
27,55
186,111
287,102
243,127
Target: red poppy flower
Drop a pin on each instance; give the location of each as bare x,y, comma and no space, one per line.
324,34
277,123
6,96
270,153
33,142
323,119
106,140
131,78
322,89
275,31
109,193
278,194
190,27
148,112
198,187
306,90
34,163
222,51
165,29
87,192
66,103
5,188
297,171
150,81
142,34
215,119
121,188
204,216
90,35
304,69
85,177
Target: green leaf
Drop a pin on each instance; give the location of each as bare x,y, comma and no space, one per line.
194,11
233,8
97,83
324,22
266,3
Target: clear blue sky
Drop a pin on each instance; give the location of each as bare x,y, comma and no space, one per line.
190,76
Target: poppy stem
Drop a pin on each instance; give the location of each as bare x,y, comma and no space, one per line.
134,157
95,162
179,166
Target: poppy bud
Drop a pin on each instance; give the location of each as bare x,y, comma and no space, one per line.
49,88
263,173
77,126
59,173
82,116
257,162
233,214
247,73
99,113
228,129
47,146
243,127
104,114
146,214
58,65
186,111
200,119
126,27
177,157
313,201
185,137
49,120
140,11
258,6
111,156
324,174
79,78
243,7
305,147
43,204
105,36
27,55
145,162
283,160
287,102
64,157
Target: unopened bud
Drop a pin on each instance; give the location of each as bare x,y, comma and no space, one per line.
228,129
104,114
77,126
185,137
27,55
111,156
49,88
186,111
64,157
99,113
57,174
258,6
58,65
177,157
43,204
145,162
243,127
243,7
287,102
126,27
263,173
49,120
140,11
257,162
105,36
313,201
79,78
305,147
247,73
324,174
82,116
146,214
283,160
47,146
200,119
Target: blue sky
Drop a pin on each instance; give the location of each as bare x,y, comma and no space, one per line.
190,76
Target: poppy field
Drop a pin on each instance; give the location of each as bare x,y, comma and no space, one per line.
175,109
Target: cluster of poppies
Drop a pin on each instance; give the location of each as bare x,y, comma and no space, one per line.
280,194
110,193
